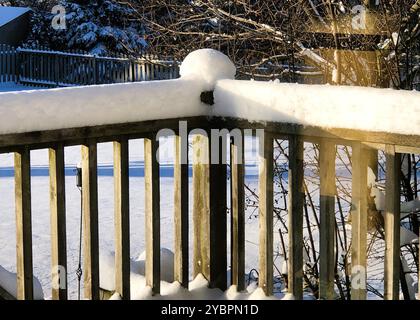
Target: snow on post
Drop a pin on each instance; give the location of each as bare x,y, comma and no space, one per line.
207,65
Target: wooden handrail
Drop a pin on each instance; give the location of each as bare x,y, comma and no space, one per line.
136,130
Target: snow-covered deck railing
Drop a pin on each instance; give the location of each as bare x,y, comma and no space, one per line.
365,119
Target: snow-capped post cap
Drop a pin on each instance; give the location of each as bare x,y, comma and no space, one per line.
208,65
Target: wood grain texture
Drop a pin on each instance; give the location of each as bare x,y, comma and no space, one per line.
392,224
359,221
58,223
327,220
24,264
90,221
237,172
295,262
152,207
181,210
265,209
122,218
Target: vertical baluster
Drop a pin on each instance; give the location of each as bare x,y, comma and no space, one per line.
181,209
327,220
152,193
58,223
266,198
90,221
218,209
237,171
122,218
359,221
392,224
23,225
201,205
295,263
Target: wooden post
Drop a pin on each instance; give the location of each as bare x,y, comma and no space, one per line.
152,206
359,221
237,172
327,220
58,223
201,206
181,210
218,211
392,224
209,211
24,265
295,266
90,221
122,218
266,205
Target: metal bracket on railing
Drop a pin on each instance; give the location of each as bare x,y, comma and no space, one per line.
207,97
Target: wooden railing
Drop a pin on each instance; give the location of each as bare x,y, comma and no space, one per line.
209,203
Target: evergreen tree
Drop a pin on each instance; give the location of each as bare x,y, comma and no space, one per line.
101,27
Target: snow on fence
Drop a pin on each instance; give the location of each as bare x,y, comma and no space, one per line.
61,69
118,113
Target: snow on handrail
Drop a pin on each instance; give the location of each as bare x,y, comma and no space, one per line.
323,106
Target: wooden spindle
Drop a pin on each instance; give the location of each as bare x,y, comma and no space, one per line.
90,221
327,220
209,211
152,207
122,218
218,210
392,224
24,264
237,172
58,223
295,262
201,206
266,208
181,210
359,221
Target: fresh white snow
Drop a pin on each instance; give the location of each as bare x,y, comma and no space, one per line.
198,288
207,65
8,14
97,105
8,283
322,106
370,109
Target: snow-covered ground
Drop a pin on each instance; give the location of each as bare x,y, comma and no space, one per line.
11,87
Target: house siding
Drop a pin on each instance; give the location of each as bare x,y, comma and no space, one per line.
15,31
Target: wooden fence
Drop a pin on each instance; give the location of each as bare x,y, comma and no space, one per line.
44,67
8,64
209,204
